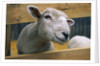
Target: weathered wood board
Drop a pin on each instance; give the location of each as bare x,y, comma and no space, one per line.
68,54
17,13
57,46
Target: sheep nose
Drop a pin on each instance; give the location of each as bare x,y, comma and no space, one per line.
65,35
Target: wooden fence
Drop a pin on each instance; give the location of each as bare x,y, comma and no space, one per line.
68,54
17,13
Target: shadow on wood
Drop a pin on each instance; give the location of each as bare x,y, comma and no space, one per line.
68,54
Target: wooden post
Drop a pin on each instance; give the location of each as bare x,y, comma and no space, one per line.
8,38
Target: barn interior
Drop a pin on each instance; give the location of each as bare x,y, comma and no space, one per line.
17,18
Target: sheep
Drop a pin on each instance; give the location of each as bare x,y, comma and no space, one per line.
79,42
51,25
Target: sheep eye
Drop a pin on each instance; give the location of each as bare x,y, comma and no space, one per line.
47,16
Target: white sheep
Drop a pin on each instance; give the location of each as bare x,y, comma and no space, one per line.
51,25
78,42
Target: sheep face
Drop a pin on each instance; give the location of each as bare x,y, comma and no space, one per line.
53,25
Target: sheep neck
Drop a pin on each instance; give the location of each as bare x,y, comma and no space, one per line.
38,40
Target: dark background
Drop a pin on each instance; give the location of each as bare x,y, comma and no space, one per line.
82,27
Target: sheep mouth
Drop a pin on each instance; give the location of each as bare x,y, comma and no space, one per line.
62,40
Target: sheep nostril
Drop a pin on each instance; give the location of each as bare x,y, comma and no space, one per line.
65,35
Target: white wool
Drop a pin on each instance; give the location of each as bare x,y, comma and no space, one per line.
78,42
37,37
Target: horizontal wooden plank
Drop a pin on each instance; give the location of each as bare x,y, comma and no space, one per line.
17,13
56,47
68,54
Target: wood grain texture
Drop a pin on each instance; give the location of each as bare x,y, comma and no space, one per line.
17,13
68,54
56,47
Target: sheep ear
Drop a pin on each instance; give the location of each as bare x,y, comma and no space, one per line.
34,11
70,22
